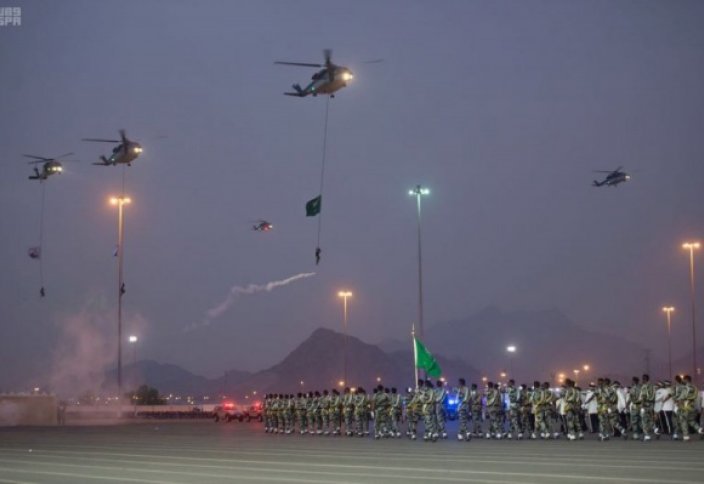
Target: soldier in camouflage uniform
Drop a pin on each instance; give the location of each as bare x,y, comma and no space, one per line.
380,406
266,412
514,409
288,413
686,408
310,413
348,411
526,405
301,404
647,407
440,415
396,413
539,402
475,404
334,408
462,393
361,412
675,395
572,405
325,412
634,407
613,407
413,410
427,400
602,410
493,407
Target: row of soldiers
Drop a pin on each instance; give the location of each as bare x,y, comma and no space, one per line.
510,410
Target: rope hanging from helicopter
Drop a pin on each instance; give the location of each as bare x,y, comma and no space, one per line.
39,253
322,178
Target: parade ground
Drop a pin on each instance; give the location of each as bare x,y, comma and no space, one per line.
204,452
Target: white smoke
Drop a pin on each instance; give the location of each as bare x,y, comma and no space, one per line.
220,309
86,348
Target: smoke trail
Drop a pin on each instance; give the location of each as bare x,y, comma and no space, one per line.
219,310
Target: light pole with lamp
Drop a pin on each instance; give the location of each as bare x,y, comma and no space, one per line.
344,295
120,201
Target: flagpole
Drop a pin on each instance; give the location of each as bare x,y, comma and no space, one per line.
415,356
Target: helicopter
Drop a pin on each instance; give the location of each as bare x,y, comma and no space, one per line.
262,226
50,166
329,80
124,153
613,178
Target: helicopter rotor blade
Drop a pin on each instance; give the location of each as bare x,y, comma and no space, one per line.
39,158
123,136
374,61
603,171
101,140
65,154
302,64
328,54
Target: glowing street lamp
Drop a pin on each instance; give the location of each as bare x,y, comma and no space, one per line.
419,192
690,246
344,295
586,368
668,310
120,202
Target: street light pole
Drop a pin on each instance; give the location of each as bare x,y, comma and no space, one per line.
344,295
418,192
668,310
511,349
120,202
691,246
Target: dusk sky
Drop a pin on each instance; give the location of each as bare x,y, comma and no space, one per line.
502,108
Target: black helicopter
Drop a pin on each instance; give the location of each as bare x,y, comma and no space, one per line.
50,166
124,153
262,226
329,80
613,178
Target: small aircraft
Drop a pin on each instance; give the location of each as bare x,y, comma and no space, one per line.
262,226
50,166
124,153
613,178
329,80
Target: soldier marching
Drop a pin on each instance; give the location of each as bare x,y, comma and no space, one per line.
643,411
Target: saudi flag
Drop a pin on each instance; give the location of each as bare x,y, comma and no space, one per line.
313,206
425,360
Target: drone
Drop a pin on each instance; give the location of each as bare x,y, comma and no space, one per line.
329,80
613,178
50,166
262,226
124,153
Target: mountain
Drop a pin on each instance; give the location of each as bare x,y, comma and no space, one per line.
172,379
548,343
318,363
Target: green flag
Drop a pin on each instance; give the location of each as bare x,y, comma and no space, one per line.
313,206
425,360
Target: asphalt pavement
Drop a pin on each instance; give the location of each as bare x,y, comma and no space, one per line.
206,452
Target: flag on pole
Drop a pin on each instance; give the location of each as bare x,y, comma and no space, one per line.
313,206
425,360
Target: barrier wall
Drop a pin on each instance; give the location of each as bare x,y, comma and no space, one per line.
28,410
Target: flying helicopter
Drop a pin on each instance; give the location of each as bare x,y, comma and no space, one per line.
262,226
124,153
613,178
329,80
50,166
